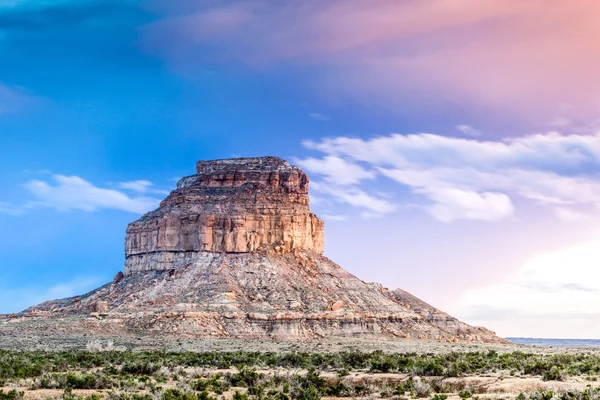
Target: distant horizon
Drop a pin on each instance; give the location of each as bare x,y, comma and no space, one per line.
554,342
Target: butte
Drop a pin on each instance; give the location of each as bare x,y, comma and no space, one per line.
235,252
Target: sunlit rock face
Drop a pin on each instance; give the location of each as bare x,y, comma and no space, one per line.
237,205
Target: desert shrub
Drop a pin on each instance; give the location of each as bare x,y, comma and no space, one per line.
240,396
465,394
310,393
420,388
553,374
205,396
140,368
68,395
382,363
309,386
338,389
400,390
200,385
244,378
12,395
81,381
542,395
257,391
361,390
277,395
175,394
312,379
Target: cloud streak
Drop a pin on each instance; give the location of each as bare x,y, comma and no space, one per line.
72,193
13,99
469,178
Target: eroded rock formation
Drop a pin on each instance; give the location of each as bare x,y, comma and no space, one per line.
230,206
235,251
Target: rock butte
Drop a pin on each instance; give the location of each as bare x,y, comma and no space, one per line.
229,206
235,252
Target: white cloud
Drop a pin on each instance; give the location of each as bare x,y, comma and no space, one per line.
319,116
474,179
355,197
568,215
10,209
370,215
468,130
67,193
141,186
336,170
547,290
550,151
333,217
451,204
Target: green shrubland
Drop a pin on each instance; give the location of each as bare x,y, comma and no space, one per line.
122,375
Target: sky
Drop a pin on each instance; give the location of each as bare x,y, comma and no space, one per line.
453,147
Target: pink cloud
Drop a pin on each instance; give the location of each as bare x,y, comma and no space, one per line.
525,57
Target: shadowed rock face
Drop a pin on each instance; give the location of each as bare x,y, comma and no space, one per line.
232,206
235,252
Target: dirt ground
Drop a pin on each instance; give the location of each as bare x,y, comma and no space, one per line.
14,337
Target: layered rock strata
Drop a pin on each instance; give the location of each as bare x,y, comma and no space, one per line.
230,206
235,252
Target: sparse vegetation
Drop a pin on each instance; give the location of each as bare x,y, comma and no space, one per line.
121,375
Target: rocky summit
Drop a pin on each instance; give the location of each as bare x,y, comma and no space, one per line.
235,252
229,206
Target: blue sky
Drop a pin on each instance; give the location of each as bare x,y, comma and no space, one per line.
440,164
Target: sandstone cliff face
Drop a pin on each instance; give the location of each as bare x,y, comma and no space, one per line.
230,206
235,252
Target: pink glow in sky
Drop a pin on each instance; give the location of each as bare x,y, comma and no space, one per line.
534,59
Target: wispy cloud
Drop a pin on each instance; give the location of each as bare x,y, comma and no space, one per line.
450,204
336,170
69,193
355,197
14,99
468,130
141,186
569,215
469,178
11,209
319,116
333,217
